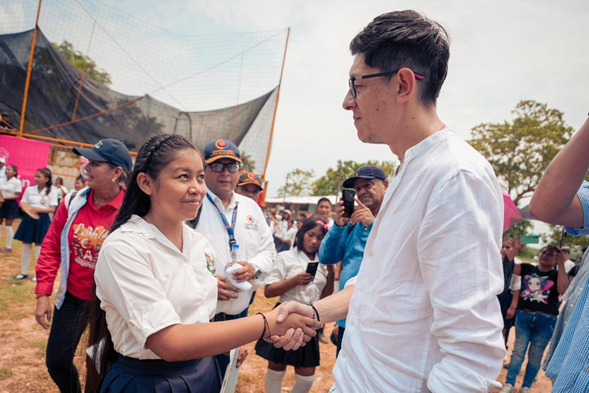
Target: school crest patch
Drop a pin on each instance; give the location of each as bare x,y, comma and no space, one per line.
210,264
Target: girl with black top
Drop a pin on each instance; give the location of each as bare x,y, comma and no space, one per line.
536,314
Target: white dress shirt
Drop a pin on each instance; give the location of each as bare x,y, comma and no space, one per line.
146,284
11,187
290,263
253,235
424,315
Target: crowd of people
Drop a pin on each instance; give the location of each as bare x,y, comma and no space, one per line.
161,259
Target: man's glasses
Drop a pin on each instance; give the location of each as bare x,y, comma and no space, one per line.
218,167
352,80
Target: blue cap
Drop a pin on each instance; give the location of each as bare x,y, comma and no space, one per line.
250,178
365,172
108,150
221,148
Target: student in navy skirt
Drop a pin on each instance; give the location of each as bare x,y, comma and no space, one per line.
11,190
289,280
42,199
157,286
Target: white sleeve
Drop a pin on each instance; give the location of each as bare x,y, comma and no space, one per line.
279,270
25,197
53,197
351,281
458,253
17,185
125,283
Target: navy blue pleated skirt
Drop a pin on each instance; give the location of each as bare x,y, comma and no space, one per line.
33,231
9,209
134,375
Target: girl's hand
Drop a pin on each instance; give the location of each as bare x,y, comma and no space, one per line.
303,279
242,356
302,325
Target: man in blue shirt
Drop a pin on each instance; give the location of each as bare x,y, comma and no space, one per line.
346,240
562,197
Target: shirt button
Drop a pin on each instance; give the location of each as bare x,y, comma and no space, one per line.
361,288
369,253
131,324
343,354
353,322
144,310
202,302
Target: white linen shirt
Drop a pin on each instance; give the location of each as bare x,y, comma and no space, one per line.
11,187
290,263
146,284
37,199
424,315
256,244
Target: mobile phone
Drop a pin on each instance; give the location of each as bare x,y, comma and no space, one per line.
312,268
348,198
529,239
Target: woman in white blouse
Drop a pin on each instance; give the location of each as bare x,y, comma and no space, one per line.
157,286
10,191
41,200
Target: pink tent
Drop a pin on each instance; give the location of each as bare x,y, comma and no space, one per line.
511,214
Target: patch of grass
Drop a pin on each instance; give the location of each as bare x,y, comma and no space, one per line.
15,293
40,344
5,374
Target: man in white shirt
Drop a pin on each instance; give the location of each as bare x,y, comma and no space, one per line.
2,171
228,218
422,314
568,264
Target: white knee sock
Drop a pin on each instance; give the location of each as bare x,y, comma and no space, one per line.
9,237
37,252
303,384
25,258
274,381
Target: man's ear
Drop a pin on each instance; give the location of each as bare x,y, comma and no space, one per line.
407,85
145,183
386,184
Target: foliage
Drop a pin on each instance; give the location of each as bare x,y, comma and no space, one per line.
81,62
519,151
520,229
248,165
572,242
328,183
298,183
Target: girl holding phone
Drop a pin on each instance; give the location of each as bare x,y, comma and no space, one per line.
289,279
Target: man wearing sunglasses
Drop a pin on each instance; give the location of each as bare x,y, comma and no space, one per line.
228,219
424,315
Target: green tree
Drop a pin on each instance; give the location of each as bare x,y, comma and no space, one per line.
247,163
298,183
520,151
556,233
328,183
81,62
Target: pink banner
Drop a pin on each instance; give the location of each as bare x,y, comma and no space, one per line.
26,154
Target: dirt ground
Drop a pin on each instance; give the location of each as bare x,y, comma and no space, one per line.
23,342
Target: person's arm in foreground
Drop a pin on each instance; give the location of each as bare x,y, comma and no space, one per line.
333,245
555,200
330,309
562,283
462,279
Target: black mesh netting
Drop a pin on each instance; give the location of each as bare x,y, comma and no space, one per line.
103,113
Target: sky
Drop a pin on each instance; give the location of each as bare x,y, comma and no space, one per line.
501,52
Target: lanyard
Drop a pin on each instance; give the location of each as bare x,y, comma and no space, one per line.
230,228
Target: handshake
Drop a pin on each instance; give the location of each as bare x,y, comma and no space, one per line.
291,325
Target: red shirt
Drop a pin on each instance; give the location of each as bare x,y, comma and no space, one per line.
85,238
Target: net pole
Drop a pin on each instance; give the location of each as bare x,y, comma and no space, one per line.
29,72
275,109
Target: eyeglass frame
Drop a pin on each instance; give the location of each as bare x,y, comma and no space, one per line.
352,85
225,166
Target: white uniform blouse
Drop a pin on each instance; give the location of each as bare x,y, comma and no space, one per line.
39,199
290,263
11,187
146,284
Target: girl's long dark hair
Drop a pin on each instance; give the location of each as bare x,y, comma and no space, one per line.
47,173
158,152
308,225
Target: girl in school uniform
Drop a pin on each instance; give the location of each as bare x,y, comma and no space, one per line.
157,286
11,190
289,280
41,200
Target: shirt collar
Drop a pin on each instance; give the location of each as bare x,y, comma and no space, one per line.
137,224
219,202
302,256
114,204
425,145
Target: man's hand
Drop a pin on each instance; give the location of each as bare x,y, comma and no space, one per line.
292,340
246,273
223,289
339,219
560,259
43,312
242,356
303,279
362,215
510,313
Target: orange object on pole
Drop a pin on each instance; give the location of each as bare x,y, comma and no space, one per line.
276,107
29,71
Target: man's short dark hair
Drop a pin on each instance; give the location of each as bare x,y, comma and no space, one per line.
407,39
